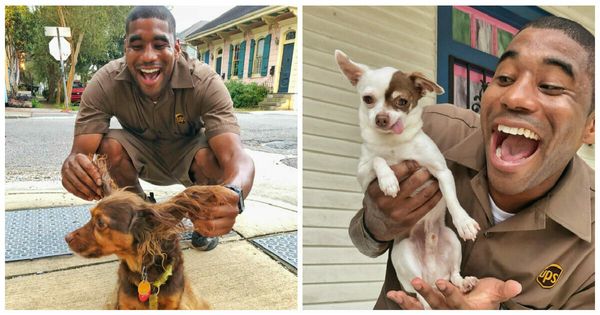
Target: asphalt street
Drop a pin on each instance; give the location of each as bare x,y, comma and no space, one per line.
36,146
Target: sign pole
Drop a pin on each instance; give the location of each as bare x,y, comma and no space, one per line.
62,70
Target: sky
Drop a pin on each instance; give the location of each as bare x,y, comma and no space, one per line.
186,16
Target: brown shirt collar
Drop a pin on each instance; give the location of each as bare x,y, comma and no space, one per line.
567,203
181,78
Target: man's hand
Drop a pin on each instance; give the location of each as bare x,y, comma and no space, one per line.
487,295
218,219
81,177
387,217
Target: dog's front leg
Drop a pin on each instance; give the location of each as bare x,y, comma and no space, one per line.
467,227
388,183
365,174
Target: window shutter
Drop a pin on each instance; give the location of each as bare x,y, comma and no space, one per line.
241,57
206,56
251,59
265,60
230,59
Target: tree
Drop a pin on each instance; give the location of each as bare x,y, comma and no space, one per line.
20,25
95,35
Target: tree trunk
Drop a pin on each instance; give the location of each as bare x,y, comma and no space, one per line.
74,55
58,92
12,57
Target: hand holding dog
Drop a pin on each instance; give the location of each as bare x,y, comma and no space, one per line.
81,177
487,295
386,217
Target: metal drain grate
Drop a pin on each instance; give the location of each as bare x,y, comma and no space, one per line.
282,246
41,232
38,233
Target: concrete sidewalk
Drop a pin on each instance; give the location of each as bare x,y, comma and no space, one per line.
235,275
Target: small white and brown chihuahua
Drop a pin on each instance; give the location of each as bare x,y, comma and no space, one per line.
391,129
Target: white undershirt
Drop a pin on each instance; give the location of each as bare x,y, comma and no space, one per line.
498,214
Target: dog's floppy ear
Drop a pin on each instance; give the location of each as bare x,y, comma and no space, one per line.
195,201
424,84
352,70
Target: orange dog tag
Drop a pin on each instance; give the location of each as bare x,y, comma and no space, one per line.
143,291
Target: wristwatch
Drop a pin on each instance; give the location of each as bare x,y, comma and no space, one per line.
240,193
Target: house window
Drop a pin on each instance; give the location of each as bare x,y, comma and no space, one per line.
260,49
470,42
480,31
469,81
219,60
236,59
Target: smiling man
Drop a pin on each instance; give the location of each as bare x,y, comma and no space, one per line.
518,176
178,124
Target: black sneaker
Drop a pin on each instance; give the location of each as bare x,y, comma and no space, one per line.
151,198
204,243
148,197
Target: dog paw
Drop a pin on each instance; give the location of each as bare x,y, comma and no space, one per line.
467,228
389,185
468,284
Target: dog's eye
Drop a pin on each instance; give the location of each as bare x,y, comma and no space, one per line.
368,99
100,224
401,101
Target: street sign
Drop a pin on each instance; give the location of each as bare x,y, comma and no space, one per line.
60,50
57,31
65,48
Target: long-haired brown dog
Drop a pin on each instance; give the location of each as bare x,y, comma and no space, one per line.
145,237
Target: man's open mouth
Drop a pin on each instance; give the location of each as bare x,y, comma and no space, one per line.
149,76
514,145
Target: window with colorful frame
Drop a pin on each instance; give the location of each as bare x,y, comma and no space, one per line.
470,42
260,50
236,59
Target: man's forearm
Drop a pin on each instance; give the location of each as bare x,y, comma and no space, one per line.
239,170
237,165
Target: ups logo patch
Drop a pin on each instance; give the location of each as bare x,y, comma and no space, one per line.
180,119
549,276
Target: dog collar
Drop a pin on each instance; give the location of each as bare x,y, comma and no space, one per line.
144,287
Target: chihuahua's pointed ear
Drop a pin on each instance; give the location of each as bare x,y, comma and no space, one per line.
353,71
424,85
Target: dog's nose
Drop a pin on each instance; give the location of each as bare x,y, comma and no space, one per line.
381,120
69,237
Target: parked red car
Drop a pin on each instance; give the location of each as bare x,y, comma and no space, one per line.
78,88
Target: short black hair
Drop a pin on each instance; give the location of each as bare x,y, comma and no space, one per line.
148,12
576,32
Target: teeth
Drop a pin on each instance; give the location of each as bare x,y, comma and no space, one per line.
519,131
149,70
499,152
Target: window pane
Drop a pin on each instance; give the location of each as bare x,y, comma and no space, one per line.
236,52
261,48
475,86
504,39
483,36
461,27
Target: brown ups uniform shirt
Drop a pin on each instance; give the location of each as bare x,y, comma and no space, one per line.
547,247
161,138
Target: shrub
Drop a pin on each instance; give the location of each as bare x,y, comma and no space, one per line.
35,103
246,95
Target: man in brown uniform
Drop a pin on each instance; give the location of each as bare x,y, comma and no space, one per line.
531,194
177,118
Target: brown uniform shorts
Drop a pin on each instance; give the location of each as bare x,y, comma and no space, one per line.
160,162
